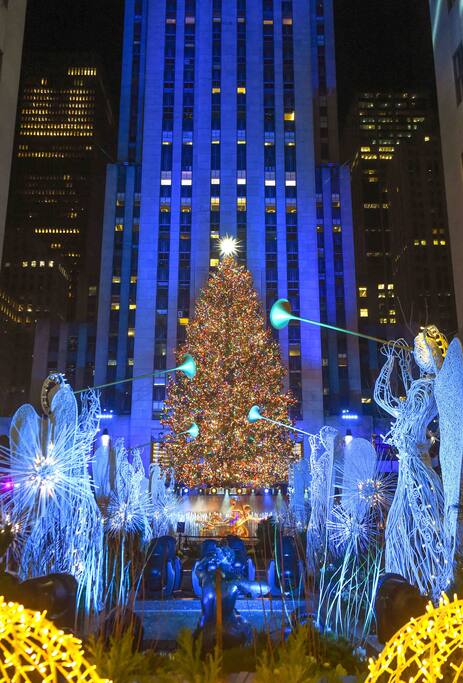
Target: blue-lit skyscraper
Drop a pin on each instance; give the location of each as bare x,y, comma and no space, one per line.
227,126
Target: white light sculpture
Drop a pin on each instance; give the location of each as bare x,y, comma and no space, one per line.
129,508
448,389
166,504
417,543
322,447
52,495
353,552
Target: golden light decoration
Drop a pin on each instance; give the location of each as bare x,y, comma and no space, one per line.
31,645
427,649
228,246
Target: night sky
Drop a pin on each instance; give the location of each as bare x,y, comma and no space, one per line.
380,43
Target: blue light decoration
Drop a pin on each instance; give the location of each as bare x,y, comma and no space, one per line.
188,367
281,316
347,415
105,415
193,431
255,415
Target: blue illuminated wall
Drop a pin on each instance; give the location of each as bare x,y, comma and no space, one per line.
228,126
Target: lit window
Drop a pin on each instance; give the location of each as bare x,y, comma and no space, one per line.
214,262
364,312
289,116
241,91
183,321
363,292
381,286
131,332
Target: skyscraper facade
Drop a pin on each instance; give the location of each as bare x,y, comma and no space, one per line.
63,143
447,35
227,127
64,139
392,145
12,17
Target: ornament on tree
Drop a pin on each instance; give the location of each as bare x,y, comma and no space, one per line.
238,365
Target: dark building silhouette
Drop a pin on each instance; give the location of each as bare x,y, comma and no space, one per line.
64,139
392,145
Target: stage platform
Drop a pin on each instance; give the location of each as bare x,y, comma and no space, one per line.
164,619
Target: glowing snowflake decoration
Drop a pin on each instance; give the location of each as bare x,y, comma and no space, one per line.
47,490
348,529
228,246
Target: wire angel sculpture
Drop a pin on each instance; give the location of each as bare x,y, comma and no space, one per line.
128,531
449,398
166,504
51,494
418,545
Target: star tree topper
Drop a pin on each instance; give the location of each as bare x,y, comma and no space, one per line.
228,246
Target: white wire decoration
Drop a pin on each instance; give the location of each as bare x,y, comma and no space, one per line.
449,398
417,542
129,508
166,504
51,493
322,452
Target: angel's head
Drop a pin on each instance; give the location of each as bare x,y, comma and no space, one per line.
430,348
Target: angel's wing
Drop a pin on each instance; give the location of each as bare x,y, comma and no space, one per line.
449,399
358,470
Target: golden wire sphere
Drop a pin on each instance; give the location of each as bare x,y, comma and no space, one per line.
30,644
421,652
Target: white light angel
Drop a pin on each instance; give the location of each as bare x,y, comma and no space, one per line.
51,492
417,543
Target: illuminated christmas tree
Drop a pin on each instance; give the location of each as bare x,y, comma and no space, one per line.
239,365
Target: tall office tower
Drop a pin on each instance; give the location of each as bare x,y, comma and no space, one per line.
227,126
420,248
379,124
55,212
447,34
12,16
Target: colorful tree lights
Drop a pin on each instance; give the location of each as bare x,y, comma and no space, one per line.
238,364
